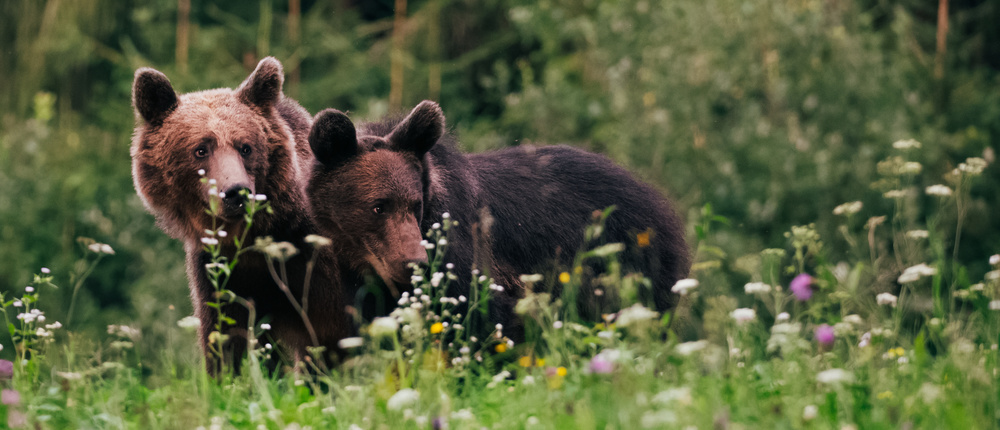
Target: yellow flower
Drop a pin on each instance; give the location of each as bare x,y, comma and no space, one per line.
540,362
524,361
884,395
501,348
561,371
642,239
564,277
896,352
437,328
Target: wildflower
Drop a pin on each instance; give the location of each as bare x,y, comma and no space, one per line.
407,397
350,342
810,412
189,322
106,249
895,194
528,380
426,244
29,289
995,259
906,144
259,197
437,328
281,251
500,348
995,305
743,315
642,239
210,241
201,172
383,326
45,270
635,314
938,190
463,415
884,299
854,319
834,376
10,397
17,303
800,286
265,326
6,369
911,168
223,233
689,348
600,364
973,166
564,277
917,234
992,275
318,241
824,334
54,326
442,241
866,339
530,279
557,325
782,317
757,288
684,286
671,396
849,208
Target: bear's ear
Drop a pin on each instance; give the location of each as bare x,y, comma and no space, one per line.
420,130
333,138
152,95
263,87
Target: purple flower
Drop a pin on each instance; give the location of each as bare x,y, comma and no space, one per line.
600,364
824,334
801,287
10,397
6,369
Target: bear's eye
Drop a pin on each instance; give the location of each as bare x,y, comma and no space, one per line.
201,152
246,149
378,209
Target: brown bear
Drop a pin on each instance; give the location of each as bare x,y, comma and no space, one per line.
250,141
520,210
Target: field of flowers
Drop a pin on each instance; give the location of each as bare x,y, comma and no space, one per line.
893,333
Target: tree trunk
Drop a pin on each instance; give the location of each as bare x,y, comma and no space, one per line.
183,24
396,58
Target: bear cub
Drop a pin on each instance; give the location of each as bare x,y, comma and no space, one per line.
249,141
377,186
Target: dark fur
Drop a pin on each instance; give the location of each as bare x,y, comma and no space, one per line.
253,138
529,206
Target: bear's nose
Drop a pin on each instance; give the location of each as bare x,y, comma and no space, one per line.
236,197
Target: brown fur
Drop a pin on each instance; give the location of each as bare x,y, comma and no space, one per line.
253,139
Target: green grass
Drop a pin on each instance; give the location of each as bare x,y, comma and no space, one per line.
893,332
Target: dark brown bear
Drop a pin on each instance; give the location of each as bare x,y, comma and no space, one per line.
376,188
251,140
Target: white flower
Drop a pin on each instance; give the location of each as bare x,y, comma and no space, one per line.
530,279
635,314
17,303
866,339
809,412
782,317
688,348
671,396
854,319
210,241
383,326
938,190
189,322
917,234
684,286
995,305
201,172
463,415
350,342
427,245
993,275
973,166
995,259
757,288
54,326
405,398
42,332
895,194
884,299
834,376
259,197
911,168
914,273
743,315
557,325
849,208
442,241
265,326
29,289
46,270
106,249
906,144
528,380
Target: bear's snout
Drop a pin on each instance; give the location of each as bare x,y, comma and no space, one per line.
235,200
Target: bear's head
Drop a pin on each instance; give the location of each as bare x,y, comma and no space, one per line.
368,188
234,138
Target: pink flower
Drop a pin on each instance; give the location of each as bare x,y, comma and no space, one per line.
824,334
10,397
801,287
601,364
6,369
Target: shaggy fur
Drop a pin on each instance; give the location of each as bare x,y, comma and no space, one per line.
254,139
519,210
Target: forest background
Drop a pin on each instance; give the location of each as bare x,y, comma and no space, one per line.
773,111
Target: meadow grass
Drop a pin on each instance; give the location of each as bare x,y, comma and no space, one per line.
894,332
